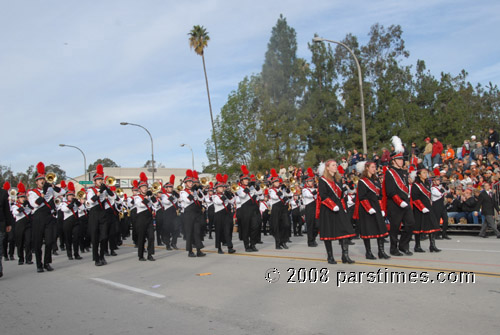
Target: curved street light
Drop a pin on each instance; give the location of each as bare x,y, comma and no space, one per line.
360,78
192,155
84,158
151,137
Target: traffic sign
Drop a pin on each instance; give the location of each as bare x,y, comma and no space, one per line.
85,182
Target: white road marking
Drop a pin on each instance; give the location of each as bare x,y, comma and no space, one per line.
471,250
129,288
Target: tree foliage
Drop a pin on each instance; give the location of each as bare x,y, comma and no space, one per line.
105,162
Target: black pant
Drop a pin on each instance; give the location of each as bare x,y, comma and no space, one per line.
297,221
398,215
71,230
113,229
9,242
210,215
312,228
223,221
249,224
43,229
145,229
98,230
159,226
441,213
23,235
280,223
192,222
170,229
84,233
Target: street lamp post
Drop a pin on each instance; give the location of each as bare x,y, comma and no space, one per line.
151,137
84,159
360,78
192,155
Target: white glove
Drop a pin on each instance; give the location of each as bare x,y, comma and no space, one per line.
425,210
403,204
371,211
383,213
336,208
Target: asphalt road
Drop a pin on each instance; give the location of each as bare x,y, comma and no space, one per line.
230,294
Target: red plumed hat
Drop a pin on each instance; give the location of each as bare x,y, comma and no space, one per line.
219,179
143,179
171,181
411,169
274,175
40,169
310,174
266,191
211,186
6,186
436,172
225,178
252,177
189,175
135,185
63,184
340,169
112,188
195,175
21,190
244,172
99,172
71,188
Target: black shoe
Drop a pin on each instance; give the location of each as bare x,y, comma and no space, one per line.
169,247
175,246
498,236
106,253
191,254
231,251
446,237
113,253
6,258
78,257
312,245
160,244
220,251
54,252
260,242
284,245
98,263
279,247
483,236
438,237
29,262
20,262
103,261
151,258
351,242
48,267
248,249
70,258
142,259
396,253
1,274
39,270
254,249
12,258
199,253
406,252
369,255
418,249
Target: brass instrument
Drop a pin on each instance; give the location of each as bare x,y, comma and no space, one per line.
235,187
259,176
179,188
51,177
13,193
204,181
119,192
110,181
57,201
80,195
156,187
293,189
263,186
291,180
355,180
121,215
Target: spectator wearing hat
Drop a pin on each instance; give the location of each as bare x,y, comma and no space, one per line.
428,153
437,149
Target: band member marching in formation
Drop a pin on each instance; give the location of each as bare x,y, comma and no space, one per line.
169,200
368,211
22,215
191,217
425,221
438,192
144,203
280,223
98,220
396,201
71,224
309,195
9,241
41,200
248,222
133,210
264,209
223,217
331,211
295,205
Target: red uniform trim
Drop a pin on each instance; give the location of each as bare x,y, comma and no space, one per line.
424,190
336,238
329,203
419,205
366,205
373,236
371,186
398,180
426,231
397,199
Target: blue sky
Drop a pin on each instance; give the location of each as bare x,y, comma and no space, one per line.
71,71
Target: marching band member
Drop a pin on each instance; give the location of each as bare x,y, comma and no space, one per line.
280,225
22,215
396,198
98,220
9,241
248,224
425,221
83,218
112,219
264,209
223,218
210,209
438,192
295,204
133,210
41,200
144,202
368,212
169,200
309,194
191,217
334,223
59,231
71,226
159,216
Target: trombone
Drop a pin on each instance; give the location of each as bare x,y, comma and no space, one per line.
204,181
51,178
235,187
110,181
156,187
80,195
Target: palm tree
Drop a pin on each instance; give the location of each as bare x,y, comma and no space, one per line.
198,40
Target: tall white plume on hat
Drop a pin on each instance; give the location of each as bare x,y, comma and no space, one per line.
360,167
321,168
397,144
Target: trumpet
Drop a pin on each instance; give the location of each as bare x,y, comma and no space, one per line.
51,177
156,187
13,192
204,181
119,192
235,187
80,195
110,181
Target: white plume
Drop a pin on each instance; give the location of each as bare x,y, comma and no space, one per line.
360,167
321,168
413,175
397,144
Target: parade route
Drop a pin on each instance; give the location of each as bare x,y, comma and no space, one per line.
229,294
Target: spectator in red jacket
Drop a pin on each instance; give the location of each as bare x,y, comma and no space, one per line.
386,157
437,149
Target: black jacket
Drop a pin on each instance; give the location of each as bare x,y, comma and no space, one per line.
469,205
454,206
487,204
6,218
492,138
